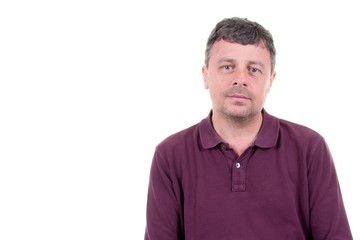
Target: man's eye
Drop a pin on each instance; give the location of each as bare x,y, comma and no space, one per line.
227,67
254,70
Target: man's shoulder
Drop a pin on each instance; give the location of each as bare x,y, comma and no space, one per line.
298,131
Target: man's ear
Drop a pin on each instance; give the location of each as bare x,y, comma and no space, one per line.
204,73
272,77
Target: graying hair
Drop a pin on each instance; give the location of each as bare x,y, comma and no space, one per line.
243,31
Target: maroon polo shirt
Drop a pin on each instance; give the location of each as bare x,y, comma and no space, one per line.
284,186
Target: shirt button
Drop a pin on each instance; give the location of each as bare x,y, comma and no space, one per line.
237,165
223,147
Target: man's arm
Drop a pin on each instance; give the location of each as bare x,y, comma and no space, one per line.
162,213
327,213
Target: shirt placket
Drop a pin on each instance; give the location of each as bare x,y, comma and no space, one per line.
238,172
238,167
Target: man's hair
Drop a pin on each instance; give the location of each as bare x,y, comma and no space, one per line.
243,31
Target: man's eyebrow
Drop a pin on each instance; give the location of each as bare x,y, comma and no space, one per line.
256,63
222,60
231,60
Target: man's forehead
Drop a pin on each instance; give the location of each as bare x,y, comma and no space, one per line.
228,51
223,43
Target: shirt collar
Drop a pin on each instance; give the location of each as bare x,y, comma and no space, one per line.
267,136
208,137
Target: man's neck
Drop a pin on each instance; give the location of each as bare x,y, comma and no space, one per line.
239,133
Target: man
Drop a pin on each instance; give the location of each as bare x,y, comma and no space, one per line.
241,173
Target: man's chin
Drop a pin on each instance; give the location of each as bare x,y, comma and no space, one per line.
238,114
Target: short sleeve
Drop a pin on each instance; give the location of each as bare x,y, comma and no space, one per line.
327,213
162,214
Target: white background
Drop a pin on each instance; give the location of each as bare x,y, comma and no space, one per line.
89,88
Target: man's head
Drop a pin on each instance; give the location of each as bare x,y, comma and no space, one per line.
243,31
239,70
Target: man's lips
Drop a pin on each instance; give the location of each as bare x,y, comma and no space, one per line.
239,97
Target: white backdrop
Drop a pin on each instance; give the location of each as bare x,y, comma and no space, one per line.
89,88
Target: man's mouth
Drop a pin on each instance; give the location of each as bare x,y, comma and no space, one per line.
239,97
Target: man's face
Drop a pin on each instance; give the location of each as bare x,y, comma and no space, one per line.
238,78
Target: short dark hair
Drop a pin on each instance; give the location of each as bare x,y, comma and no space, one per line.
243,31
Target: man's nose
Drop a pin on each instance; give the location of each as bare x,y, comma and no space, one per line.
240,78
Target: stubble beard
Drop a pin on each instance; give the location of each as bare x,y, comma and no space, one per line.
238,111
241,114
